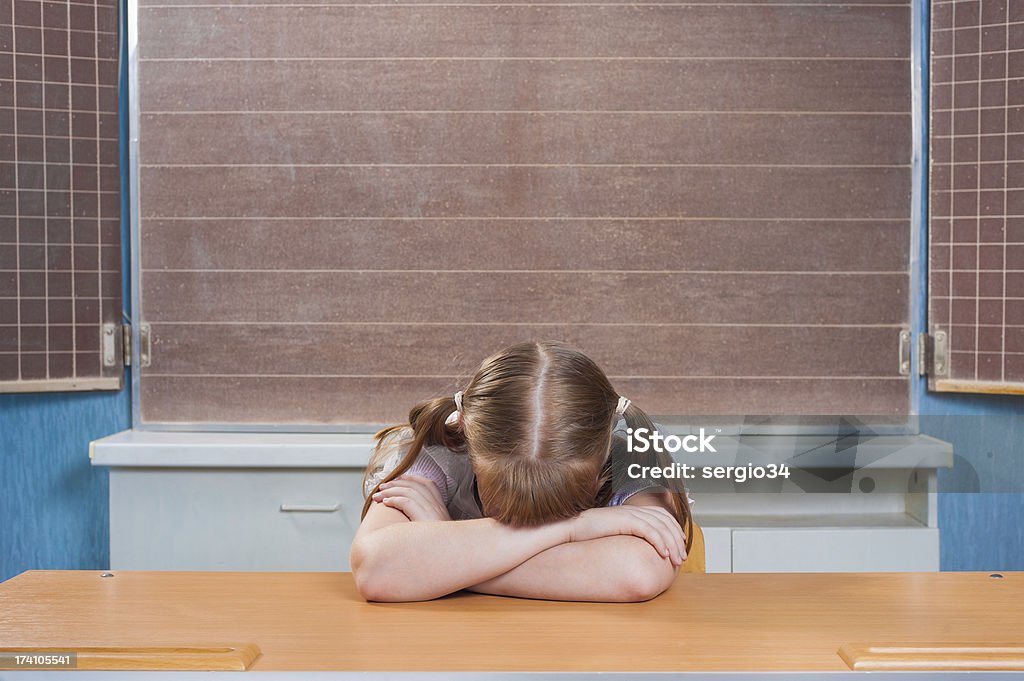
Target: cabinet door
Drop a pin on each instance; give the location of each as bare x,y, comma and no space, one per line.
838,550
233,519
717,549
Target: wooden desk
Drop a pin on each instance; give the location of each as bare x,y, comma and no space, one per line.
316,621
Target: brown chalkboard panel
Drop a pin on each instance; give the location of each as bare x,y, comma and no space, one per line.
345,206
976,240
60,252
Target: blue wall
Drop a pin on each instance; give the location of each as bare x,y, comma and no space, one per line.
981,503
53,503
982,497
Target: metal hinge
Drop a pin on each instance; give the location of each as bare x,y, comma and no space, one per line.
145,345
905,340
108,343
126,343
933,354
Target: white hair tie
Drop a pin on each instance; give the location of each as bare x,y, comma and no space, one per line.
622,406
453,418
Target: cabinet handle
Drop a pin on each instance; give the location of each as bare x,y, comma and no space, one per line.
309,508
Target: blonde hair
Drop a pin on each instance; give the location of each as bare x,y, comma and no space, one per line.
537,422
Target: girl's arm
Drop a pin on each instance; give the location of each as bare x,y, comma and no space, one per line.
394,559
607,569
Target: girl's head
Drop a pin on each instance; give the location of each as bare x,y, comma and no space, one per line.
537,422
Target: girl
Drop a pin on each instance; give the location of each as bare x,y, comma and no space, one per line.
518,486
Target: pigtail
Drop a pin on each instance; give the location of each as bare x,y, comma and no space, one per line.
427,426
621,458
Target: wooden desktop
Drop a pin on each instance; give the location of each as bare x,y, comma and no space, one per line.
705,622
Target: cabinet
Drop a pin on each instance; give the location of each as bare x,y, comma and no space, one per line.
291,502
233,519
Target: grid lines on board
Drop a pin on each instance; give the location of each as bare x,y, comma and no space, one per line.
380,194
59,193
976,235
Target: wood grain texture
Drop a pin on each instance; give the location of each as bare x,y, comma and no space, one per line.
662,350
645,31
548,137
918,656
705,622
525,191
207,658
696,558
376,401
990,387
523,297
411,244
873,86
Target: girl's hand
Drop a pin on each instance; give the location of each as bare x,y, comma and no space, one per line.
415,496
653,524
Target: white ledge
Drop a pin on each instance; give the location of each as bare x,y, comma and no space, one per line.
232,450
178,449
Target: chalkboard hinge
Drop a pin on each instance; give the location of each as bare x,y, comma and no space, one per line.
933,354
145,345
904,351
126,344
108,343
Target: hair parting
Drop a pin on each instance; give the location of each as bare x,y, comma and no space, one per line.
538,421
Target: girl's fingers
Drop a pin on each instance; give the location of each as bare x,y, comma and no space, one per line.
394,492
401,488
667,530
423,486
427,485
671,525
417,491
404,504
645,529
665,539
675,533
418,501
399,502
